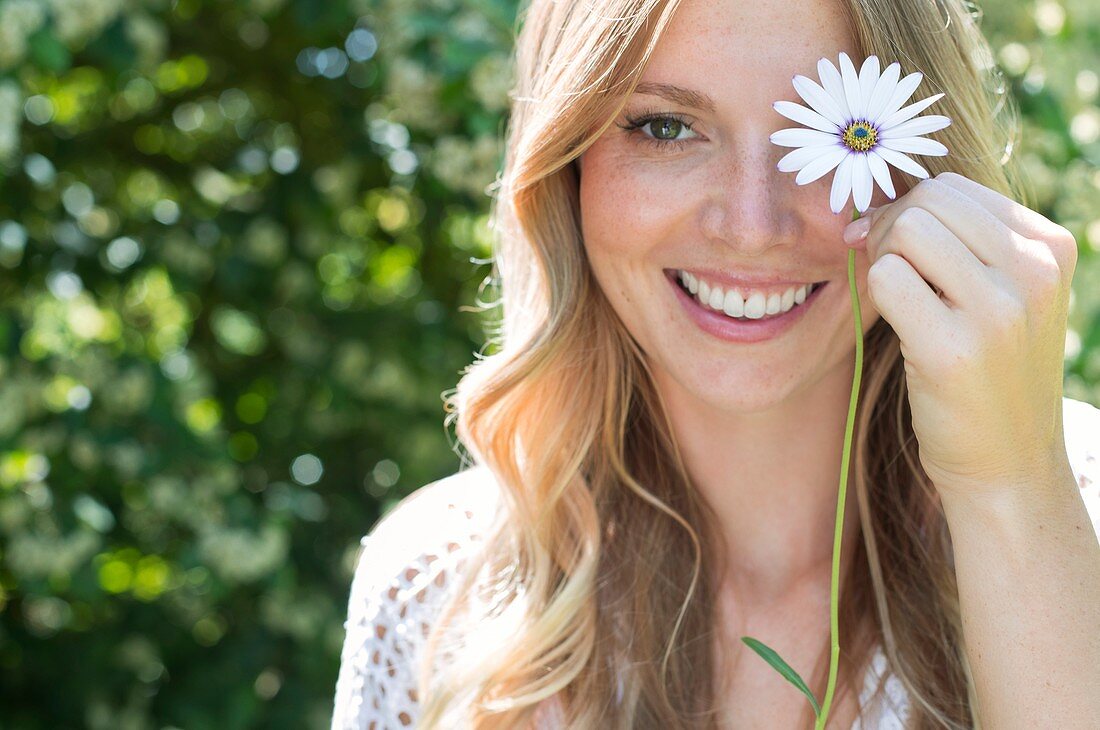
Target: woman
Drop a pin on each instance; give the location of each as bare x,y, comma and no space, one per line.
648,491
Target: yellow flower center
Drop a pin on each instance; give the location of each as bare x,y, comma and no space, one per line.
860,136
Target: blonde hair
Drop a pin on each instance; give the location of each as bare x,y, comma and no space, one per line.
602,563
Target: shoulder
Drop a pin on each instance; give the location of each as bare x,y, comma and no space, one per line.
403,571
1081,427
422,539
445,515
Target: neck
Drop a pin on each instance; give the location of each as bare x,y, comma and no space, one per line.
772,476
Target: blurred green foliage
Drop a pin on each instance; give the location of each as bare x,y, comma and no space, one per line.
236,240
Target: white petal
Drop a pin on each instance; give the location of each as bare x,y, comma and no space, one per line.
881,173
916,145
820,100
834,87
884,89
842,184
862,184
903,91
920,125
902,162
799,158
827,161
868,77
801,137
799,113
851,86
909,111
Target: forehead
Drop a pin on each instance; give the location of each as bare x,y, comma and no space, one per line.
734,49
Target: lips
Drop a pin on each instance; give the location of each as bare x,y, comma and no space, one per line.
730,329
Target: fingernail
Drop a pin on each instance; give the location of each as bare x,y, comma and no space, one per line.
856,231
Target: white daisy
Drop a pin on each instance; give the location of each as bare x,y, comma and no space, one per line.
857,125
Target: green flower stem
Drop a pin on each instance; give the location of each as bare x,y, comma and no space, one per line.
834,588
768,654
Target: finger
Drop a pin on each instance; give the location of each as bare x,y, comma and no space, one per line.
939,257
913,310
1025,221
1046,238
992,242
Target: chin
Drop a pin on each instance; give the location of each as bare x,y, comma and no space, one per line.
727,386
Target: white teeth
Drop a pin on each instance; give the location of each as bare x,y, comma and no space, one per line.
755,307
717,298
734,305
788,299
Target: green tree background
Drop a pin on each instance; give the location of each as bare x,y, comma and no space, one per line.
236,244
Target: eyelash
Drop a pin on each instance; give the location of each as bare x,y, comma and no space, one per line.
639,122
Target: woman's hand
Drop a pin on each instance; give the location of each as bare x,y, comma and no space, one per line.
977,288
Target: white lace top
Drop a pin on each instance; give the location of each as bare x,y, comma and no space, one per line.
406,563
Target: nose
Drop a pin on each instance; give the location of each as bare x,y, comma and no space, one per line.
748,203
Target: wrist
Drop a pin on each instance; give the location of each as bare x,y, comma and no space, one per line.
1010,501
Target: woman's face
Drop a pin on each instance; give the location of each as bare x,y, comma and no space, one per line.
663,198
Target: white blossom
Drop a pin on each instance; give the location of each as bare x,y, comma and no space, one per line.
77,21
857,125
466,165
18,20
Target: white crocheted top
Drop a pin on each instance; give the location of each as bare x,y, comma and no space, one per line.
406,563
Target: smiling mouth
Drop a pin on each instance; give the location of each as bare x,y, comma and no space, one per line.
756,307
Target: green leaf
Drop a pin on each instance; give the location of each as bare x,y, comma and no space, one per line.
48,52
783,668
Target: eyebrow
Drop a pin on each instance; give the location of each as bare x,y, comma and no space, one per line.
677,94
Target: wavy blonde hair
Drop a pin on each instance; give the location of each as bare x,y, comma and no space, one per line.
602,563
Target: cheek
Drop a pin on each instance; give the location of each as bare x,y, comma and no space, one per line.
626,210
620,227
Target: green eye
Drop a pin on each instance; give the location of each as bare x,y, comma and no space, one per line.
664,129
667,126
